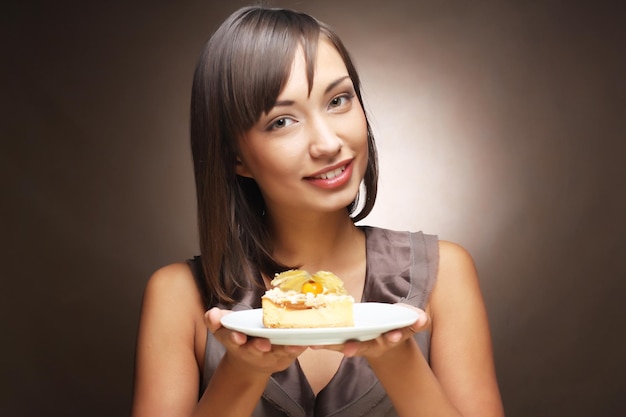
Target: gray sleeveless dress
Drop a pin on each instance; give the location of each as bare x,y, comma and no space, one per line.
401,267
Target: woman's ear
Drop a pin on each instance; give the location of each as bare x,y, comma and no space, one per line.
241,170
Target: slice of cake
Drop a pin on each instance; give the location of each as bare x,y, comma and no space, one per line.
300,300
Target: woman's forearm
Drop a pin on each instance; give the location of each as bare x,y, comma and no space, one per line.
410,383
231,393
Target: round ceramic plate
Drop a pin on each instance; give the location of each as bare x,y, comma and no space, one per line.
370,321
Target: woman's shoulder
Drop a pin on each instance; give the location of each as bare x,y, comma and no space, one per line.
175,276
457,277
172,308
173,287
454,254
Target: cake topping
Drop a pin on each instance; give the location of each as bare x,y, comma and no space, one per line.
312,287
300,281
330,281
291,280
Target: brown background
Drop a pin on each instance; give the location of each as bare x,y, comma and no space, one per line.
501,126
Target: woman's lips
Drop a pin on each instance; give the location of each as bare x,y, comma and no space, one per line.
332,178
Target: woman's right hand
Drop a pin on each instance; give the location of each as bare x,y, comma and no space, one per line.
250,354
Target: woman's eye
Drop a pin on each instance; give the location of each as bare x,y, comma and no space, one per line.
280,123
340,100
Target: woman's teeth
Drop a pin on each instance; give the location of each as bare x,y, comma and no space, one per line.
331,174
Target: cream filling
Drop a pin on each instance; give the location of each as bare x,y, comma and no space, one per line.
279,296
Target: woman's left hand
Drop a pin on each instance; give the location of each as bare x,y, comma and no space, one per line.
384,343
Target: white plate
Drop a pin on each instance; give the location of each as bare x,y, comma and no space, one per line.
370,321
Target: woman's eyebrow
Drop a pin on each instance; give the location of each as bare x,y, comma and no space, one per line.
330,86
335,83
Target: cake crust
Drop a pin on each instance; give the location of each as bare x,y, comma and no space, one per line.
337,313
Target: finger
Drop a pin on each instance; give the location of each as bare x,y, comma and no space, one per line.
421,323
238,338
393,336
212,319
261,344
351,348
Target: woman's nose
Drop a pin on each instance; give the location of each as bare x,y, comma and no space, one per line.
324,140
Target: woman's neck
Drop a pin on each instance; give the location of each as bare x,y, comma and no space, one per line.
327,241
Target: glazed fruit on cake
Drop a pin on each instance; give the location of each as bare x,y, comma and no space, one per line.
300,300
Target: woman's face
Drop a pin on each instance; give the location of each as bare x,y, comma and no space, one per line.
309,152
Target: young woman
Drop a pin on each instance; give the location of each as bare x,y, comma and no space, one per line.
283,152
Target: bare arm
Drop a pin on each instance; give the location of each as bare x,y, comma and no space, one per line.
461,350
171,344
166,371
460,380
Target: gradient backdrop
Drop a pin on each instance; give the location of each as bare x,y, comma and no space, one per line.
501,126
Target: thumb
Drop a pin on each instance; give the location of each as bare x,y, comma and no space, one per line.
212,319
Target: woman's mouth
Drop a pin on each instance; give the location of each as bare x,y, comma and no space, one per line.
331,174
333,178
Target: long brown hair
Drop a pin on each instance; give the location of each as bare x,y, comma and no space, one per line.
241,72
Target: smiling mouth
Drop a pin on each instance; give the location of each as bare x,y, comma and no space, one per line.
331,174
